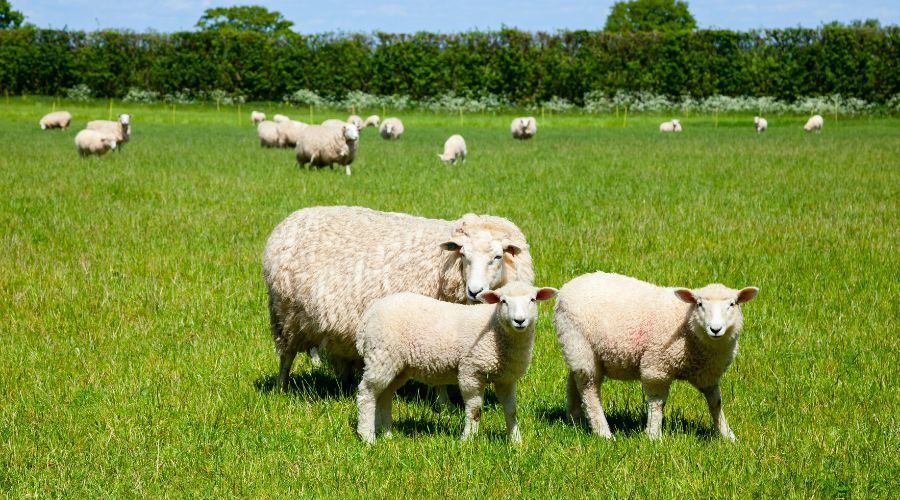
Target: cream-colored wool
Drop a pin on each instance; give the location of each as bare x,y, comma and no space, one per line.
815,122
56,119
323,145
410,336
454,149
324,266
289,133
609,325
356,121
120,129
391,129
523,127
671,126
94,142
334,122
280,118
257,117
269,134
372,121
760,123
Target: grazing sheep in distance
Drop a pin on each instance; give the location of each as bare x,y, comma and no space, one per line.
280,118
269,135
410,336
333,122
371,121
760,123
609,325
94,142
324,266
323,146
672,126
391,129
56,119
356,121
815,122
120,129
257,117
523,127
454,149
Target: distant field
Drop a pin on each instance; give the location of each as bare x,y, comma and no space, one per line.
136,359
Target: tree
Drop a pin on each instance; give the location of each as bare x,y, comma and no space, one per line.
650,15
243,18
9,18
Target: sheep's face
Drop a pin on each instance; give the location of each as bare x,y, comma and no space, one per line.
482,261
717,309
351,133
124,119
518,303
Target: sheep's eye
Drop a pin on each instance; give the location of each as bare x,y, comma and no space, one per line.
731,305
532,300
503,301
700,304
498,257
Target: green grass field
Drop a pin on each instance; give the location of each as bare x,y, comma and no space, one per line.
136,359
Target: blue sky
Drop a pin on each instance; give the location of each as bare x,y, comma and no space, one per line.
442,16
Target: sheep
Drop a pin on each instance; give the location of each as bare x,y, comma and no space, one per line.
280,118
289,133
672,126
356,121
257,117
391,129
269,135
608,325
454,149
120,129
323,266
371,121
56,119
761,124
523,127
815,122
321,145
94,142
333,122
410,336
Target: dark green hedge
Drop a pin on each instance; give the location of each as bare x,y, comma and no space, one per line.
523,67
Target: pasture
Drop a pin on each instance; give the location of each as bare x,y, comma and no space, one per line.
136,358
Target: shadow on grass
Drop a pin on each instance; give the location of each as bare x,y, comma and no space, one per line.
630,421
316,384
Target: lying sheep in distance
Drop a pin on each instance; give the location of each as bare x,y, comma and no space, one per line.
356,121
323,146
391,129
454,149
56,119
609,325
120,129
257,117
94,142
280,118
523,127
410,336
672,126
269,135
371,121
815,122
760,123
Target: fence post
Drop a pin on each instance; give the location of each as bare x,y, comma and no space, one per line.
625,121
716,117
110,110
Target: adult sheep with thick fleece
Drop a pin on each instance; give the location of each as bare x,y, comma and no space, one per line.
815,122
609,325
324,266
94,142
391,129
356,121
410,336
760,123
454,149
56,119
670,126
278,118
120,129
289,133
323,146
523,127
257,117
371,121
269,134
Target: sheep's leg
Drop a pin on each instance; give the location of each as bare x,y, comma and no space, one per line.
347,167
315,356
370,389
284,371
507,395
573,399
589,387
383,417
656,400
472,392
714,402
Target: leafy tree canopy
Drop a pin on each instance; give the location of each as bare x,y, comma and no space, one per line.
243,18
649,15
9,18
856,23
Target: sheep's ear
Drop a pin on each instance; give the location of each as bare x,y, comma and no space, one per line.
488,297
686,295
511,248
546,293
747,294
451,246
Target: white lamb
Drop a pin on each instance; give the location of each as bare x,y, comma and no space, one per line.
410,336
257,117
323,146
815,122
523,128
120,129
371,121
454,149
269,135
760,123
614,326
672,126
324,266
280,118
391,129
56,119
356,121
94,142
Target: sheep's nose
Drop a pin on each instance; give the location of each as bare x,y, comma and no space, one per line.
715,329
474,293
519,322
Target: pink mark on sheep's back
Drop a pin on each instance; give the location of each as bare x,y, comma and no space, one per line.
639,334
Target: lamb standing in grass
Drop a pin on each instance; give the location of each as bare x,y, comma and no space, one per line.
323,146
815,122
356,121
391,129
94,142
324,266
371,121
454,149
56,119
280,118
614,326
410,336
760,123
672,126
523,127
257,117
120,129
269,135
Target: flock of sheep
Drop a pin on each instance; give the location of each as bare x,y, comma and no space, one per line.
394,297
98,136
